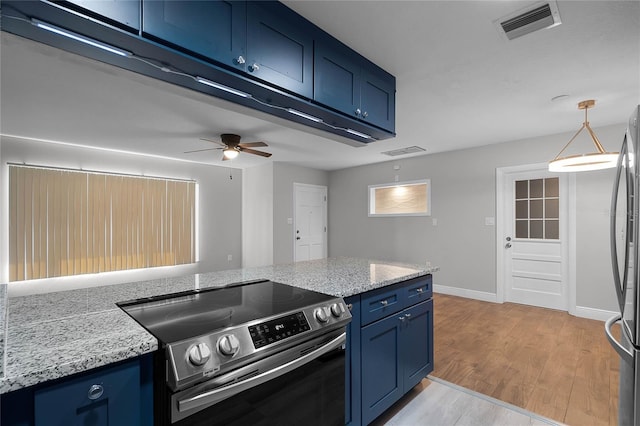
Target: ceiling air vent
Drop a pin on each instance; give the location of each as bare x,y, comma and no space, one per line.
533,18
404,151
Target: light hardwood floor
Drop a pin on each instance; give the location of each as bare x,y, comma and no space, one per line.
545,361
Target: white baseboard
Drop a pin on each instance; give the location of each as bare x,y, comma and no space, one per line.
581,311
593,313
463,292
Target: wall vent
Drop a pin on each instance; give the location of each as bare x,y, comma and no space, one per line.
404,151
525,21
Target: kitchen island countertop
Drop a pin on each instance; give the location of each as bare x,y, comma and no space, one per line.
53,335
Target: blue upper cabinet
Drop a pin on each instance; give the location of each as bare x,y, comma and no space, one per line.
214,29
280,47
126,12
349,83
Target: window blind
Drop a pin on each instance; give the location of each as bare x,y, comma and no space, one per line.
65,222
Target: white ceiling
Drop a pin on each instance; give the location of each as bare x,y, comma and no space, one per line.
459,84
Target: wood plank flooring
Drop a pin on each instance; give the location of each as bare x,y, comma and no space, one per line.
545,361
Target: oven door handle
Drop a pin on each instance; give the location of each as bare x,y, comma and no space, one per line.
217,395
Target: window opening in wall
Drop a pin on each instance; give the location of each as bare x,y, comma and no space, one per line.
537,209
71,222
401,199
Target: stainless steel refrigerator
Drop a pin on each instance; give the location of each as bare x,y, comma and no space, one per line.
625,260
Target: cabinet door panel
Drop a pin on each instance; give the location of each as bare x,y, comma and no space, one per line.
281,46
417,341
68,403
377,99
381,375
336,79
214,29
126,12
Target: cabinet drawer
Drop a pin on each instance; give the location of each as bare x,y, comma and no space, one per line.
418,290
380,303
104,398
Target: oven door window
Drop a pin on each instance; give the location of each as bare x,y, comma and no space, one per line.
311,394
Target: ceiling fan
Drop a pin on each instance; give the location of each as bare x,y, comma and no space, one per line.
231,147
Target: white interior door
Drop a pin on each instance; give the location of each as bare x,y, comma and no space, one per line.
310,227
534,244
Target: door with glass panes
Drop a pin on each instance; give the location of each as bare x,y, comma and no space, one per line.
535,245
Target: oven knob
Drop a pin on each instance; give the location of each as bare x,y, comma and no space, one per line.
199,354
228,345
321,315
336,310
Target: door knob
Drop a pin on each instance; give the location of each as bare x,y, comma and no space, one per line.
508,238
508,245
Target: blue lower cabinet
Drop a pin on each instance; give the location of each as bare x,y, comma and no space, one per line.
381,366
417,338
392,349
110,396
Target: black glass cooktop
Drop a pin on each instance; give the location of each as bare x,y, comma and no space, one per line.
179,316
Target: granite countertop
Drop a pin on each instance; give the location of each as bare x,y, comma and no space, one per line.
47,336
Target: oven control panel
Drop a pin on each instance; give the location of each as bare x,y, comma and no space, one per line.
278,329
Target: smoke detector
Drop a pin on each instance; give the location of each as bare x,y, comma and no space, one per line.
530,19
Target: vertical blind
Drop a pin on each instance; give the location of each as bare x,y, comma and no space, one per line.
65,222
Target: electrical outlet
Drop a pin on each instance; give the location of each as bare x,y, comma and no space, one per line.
434,221
490,221
229,258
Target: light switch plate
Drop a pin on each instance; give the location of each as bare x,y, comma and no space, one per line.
490,221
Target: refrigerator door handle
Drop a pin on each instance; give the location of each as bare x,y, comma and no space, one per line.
620,283
622,351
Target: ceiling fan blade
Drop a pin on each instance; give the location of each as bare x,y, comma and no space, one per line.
214,141
253,151
252,144
200,150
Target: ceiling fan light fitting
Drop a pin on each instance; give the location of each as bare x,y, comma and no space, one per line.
230,153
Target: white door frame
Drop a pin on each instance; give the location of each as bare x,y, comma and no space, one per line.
326,232
569,234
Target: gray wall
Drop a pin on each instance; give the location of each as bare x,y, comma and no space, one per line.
257,216
463,194
284,176
219,204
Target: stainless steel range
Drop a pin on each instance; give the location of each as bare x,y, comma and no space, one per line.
241,353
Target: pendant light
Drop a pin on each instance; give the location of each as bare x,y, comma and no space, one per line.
596,160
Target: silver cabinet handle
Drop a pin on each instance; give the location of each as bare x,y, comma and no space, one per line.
95,392
358,112
407,315
254,67
350,306
365,114
384,302
420,290
240,60
401,318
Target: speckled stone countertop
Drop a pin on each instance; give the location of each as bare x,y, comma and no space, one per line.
47,336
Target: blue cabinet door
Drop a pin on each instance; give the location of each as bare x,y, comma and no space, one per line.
336,77
352,364
214,29
417,341
280,47
381,352
126,12
111,397
378,98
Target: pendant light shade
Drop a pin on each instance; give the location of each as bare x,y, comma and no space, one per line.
230,153
597,160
